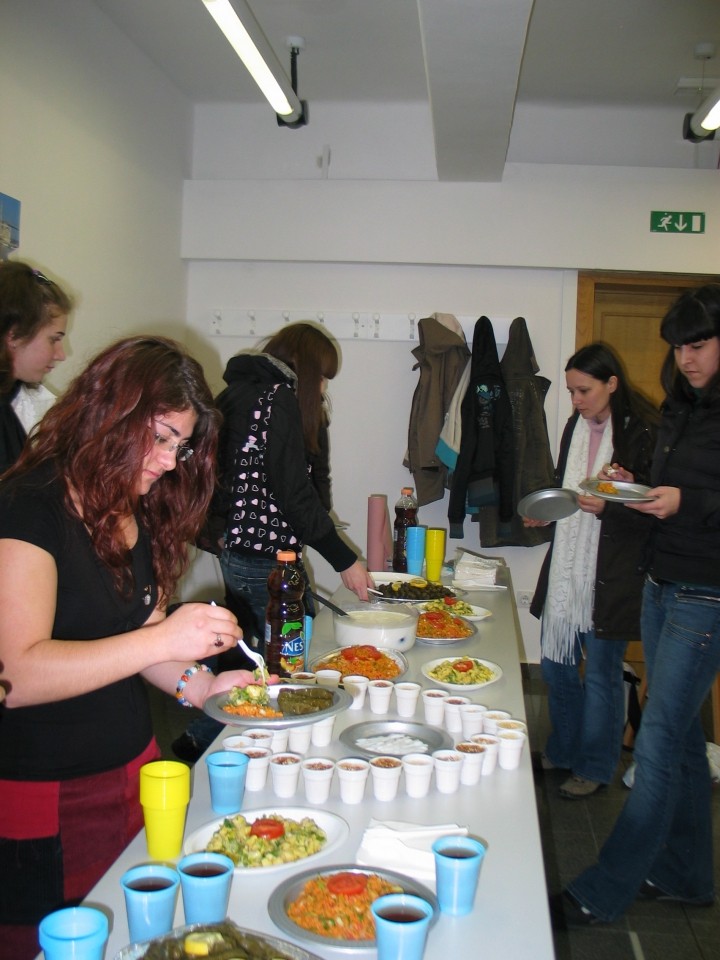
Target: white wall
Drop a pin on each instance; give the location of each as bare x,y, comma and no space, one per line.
95,144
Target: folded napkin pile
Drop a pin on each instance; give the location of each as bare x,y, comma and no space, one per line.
404,847
473,572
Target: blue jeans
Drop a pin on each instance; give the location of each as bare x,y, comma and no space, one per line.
664,831
587,715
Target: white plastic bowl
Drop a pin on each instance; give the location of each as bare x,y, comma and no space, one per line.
382,625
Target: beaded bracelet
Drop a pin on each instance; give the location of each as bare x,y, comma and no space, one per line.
188,672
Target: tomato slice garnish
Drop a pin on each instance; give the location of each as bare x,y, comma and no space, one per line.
463,666
450,601
366,651
347,884
267,828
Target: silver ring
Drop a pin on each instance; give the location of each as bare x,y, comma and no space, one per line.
218,641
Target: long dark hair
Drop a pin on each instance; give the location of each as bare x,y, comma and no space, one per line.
694,316
100,431
28,302
311,355
599,361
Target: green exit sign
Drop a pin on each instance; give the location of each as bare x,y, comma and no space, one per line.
676,221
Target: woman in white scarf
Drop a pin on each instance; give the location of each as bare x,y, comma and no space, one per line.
591,583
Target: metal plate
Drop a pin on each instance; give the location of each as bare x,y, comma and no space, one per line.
478,613
214,708
290,889
434,738
336,831
554,503
442,640
390,577
626,492
278,947
320,662
461,687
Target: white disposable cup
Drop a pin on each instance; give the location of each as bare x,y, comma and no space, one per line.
380,692
317,773
385,772
237,742
418,769
321,732
473,755
352,775
492,744
434,705
471,719
451,713
328,678
259,761
511,748
406,698
279,743
511,724
490,719
259,737
304,677
356,686
448,766
285,773
299,738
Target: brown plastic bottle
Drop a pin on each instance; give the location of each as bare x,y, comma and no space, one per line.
405,516
285,617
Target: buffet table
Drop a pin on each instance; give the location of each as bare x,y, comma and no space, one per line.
510,918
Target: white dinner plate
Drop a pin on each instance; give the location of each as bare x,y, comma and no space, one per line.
290,890
462,687
336,830
478,613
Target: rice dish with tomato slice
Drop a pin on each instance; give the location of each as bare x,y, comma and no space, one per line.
338,905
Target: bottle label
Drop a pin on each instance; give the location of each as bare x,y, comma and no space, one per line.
292,646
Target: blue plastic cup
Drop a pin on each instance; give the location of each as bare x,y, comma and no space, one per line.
402,921
457,871
205,880
415,549
150,895
75,933
227,770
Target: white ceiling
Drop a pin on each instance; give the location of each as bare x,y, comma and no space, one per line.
473,61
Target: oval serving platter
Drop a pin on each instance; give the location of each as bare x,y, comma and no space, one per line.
434,738
214,708
290,889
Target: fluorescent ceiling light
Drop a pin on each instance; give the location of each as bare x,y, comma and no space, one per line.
702,124
238,23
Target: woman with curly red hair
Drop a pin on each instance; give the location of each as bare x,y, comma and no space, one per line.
95,518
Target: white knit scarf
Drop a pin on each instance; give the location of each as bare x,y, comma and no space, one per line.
571,586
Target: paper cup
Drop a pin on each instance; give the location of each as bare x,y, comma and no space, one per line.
236,742
451,713
492,744
434,705
511,724
328,678
299,738
385,772
380,692
317,773
321,732
406,698
259,737
448,765
356,686
285,773
280,738
510,749
352,774
418,770
490,719
473,755
258,765
471,719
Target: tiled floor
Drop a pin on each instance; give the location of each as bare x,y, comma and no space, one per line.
572,832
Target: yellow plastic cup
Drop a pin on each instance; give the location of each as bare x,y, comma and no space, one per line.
164,796
434,553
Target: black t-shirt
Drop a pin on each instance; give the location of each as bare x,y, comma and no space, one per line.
106,728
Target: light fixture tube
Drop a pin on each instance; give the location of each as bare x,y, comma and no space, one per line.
702,124
238,23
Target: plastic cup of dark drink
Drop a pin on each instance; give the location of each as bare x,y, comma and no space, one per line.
150,895
402,921
205,880
457,871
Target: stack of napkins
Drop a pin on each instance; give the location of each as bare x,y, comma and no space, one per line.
473,572
404,847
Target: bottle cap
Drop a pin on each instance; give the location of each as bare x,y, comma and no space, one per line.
406,491
286,556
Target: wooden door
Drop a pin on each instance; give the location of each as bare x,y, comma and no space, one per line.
625,310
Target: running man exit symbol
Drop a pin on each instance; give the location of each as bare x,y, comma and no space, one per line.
675,221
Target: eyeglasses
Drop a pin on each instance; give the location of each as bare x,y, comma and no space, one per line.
167,445
41,278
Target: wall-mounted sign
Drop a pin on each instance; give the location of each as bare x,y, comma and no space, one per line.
676,221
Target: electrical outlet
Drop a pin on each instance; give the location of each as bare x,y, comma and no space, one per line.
523,598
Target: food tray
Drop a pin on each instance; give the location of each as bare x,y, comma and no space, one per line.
214,708
274,946
319,662
433,737
336,831
445,640
290,889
